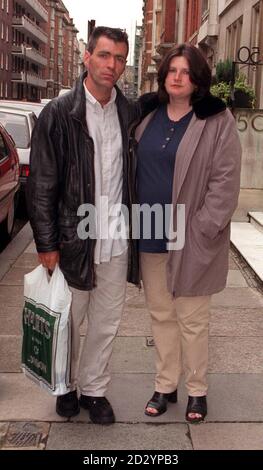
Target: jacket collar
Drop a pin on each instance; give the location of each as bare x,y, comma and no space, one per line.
79,98
208,106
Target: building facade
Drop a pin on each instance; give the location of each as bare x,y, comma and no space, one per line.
5,48
218,27
39,51
28,39
241,25
160,27
62,49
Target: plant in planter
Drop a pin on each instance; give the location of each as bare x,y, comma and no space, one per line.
244,94
222,90
224,71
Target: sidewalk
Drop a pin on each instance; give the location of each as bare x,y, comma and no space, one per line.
235,416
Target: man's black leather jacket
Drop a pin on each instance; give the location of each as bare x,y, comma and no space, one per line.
62,178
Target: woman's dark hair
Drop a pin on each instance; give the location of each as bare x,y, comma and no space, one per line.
115,34
200,73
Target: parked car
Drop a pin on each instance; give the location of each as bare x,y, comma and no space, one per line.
9,183
19,123
28,105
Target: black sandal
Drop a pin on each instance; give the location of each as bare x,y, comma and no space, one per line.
196,405
159,402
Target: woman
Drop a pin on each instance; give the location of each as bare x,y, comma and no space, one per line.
188,153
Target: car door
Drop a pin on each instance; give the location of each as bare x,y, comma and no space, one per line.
8,176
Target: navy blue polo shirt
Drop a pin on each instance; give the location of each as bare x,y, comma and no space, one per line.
155,171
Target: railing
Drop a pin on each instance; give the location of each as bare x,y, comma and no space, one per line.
36,6
30,53
28,78
31,27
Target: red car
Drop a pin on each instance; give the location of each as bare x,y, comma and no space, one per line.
9,183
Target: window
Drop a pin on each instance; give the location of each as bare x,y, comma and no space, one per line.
6,90
3,4
16,126
2,60
234,38
7,34
3,148
1,90
2,31
205,6
6,61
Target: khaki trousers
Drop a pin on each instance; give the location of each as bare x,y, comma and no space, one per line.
180,330
103,307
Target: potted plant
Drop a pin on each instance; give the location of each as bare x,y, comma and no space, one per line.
244,94
224,71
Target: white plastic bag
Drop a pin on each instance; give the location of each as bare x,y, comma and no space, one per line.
46,330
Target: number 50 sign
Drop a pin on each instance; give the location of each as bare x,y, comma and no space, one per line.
249,56
244,120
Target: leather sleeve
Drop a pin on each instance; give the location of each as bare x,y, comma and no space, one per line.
43,181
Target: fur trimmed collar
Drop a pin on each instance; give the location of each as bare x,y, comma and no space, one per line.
208,106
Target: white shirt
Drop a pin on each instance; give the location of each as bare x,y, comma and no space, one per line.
104,129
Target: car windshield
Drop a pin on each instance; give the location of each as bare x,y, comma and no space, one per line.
17,127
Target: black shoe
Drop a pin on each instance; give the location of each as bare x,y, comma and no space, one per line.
100,409
196,405
68,405
159,402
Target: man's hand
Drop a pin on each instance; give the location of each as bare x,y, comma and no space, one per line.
49,259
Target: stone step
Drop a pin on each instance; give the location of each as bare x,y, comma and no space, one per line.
248,240
256,219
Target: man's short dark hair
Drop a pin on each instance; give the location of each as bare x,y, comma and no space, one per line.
199,71
115,34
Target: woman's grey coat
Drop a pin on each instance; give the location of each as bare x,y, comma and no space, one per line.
206,181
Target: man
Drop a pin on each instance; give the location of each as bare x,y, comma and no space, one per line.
80,156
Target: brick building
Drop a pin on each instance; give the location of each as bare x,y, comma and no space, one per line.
5,48
62,49
27,55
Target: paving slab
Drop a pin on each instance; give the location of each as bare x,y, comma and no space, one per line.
231,398
118,436
235,398
5,265
10,353
27,260
14,277
232,263
236,279
11,296
236,322
3,432
235,355
136,300
238,297
135,322
227,436
130,354
129,393
18,244
26,436
31,248
23,400
10,320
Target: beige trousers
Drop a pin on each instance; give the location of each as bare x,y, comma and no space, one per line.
180,330
103,307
